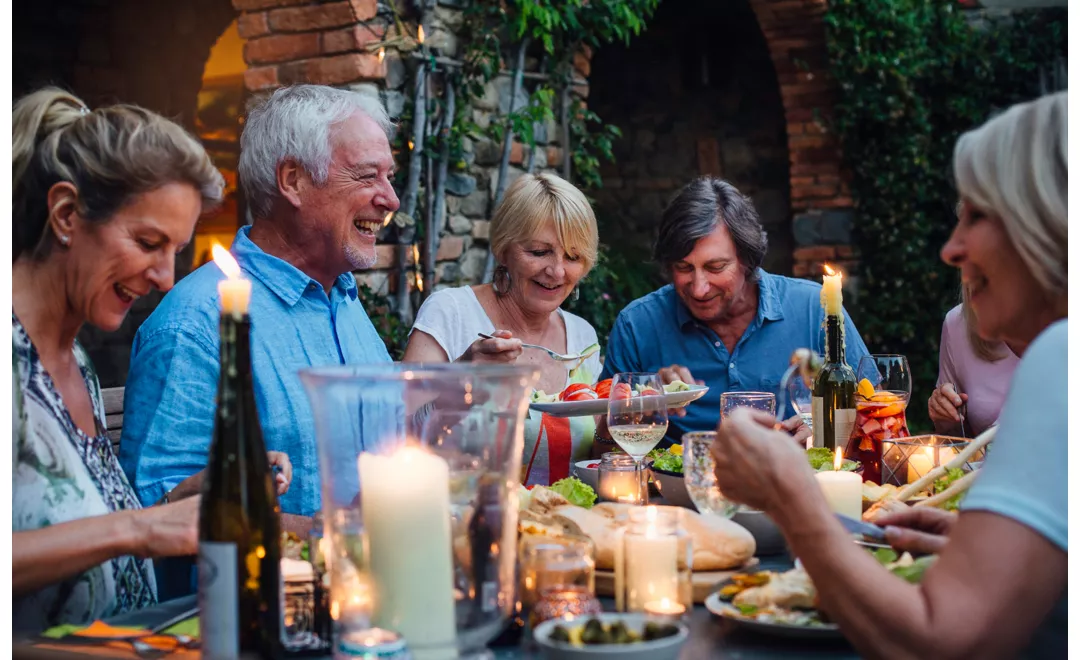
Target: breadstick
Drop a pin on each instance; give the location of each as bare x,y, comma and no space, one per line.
955,488
930,477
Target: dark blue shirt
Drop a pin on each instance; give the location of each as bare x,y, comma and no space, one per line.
657,331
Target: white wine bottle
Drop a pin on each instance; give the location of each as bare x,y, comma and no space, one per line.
833,404
240,587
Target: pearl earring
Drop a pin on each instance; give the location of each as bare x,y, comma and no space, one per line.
64,239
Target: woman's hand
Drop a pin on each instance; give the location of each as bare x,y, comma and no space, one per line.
282,478
755,463
169,530
921,529
944,405
503,348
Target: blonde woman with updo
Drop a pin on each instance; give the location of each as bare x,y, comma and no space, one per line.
544,238
103,202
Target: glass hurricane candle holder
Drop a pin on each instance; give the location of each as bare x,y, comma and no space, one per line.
906,460
653,559
419,469
561,564
620,479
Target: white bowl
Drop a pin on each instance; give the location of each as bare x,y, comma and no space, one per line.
672,486
587,474
657,649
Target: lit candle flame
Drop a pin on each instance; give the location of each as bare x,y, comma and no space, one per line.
225,261
382,54
411,145
829,270
420,285
420,34
839,459
388,218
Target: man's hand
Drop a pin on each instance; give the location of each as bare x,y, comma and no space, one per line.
797,428
282,477
673,373
921,529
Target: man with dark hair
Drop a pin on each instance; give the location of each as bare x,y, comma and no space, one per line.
723,321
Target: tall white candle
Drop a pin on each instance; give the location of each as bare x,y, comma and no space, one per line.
842,490
405,501
652,571
832,297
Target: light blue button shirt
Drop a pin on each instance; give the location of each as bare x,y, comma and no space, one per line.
657,330
169,402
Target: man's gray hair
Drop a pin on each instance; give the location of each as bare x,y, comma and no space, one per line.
295,123
698,210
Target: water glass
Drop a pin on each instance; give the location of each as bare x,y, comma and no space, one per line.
765,401
699,472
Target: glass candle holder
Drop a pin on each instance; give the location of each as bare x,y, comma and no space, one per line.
653,560
426,457
621,479
906,460
549,563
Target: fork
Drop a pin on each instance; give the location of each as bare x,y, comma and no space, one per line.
558,357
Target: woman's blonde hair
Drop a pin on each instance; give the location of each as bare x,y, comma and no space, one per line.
109,155
984,349
536,199
1016,167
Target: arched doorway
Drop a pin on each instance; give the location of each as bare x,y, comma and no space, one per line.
695,94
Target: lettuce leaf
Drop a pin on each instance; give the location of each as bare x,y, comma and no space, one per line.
668,462
576,491
951,475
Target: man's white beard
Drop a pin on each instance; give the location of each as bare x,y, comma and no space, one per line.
360,259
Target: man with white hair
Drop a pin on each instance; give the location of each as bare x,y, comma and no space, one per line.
316,166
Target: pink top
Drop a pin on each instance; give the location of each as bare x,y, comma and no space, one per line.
985,383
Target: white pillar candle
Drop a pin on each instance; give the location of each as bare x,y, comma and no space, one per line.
842,490
832,298
405,501
652,571
920,463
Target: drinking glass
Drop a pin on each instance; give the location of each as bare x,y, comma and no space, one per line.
801,398
765,401
881,399
637,413
699,472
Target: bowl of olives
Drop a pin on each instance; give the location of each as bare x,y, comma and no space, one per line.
631,636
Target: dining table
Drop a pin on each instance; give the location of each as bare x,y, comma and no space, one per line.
711,638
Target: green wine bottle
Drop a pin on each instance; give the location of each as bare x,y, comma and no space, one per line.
833,405
240,587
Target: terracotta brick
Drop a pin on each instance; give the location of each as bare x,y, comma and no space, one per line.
799,181
845,251
800,269
815,191
352,38
261,77
815,253
312,17
364,10
838,202
582,64
253,25
333,70
281,48
450,248
813,167
517,153
796,128
252,5
805,141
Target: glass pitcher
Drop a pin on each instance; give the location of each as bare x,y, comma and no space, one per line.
419,467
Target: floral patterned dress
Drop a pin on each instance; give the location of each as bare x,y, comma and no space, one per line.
59,474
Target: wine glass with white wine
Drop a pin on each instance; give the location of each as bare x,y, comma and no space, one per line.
637,413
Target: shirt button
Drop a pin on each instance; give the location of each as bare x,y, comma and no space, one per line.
716,344
731,366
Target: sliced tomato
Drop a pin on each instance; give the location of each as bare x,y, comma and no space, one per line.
603,389
573,389
581,395
592,465
648,391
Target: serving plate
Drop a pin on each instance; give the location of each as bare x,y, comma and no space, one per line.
666,648
600,406
729,612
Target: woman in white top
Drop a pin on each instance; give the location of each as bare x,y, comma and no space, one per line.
544,239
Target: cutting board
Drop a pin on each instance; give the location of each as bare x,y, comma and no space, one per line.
703,582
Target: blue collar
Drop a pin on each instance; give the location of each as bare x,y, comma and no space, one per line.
286,280
769,308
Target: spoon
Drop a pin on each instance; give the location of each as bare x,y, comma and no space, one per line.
558,357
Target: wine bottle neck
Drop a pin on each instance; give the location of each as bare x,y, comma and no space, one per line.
834,339
235,346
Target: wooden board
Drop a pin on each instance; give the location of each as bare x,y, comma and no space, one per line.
704,582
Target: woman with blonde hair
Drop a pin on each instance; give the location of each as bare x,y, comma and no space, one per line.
544,238
999,585
103,201
973,374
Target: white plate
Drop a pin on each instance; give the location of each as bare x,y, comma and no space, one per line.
730,613
599,406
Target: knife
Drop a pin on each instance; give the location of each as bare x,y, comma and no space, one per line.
864,529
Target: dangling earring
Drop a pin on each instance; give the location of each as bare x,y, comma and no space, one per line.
500,281
574,295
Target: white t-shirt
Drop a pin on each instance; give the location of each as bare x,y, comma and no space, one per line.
454,317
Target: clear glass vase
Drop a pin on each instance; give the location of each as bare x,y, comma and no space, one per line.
419,467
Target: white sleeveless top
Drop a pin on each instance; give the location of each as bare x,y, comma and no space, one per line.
453,317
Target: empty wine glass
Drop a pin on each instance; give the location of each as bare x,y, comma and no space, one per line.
764,401
699,473
637,413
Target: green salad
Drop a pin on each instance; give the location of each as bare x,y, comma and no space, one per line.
664,460
951,475
821,459
576,491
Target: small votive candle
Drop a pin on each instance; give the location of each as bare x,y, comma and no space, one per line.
665,607
620,479
842,490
